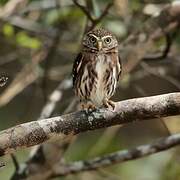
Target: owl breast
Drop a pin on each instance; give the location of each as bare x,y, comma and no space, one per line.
99,80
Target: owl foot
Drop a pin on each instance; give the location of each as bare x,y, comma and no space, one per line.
109,104
88,106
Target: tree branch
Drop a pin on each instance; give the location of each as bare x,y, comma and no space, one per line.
94,21
118,157
55,96
84,10
61,127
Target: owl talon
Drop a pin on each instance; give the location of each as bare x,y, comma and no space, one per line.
91,107
88,106
112,104
109,103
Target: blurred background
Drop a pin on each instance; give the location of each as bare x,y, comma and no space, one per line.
39,40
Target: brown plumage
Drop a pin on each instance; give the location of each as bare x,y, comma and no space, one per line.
96,69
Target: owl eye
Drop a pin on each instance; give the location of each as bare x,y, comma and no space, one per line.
92,39
107,40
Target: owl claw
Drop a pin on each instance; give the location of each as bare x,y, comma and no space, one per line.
88,106
109,103
91,107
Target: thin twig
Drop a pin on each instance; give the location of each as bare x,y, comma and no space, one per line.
30,25
164,53
55,97
84,10
104,13
15,162
94,21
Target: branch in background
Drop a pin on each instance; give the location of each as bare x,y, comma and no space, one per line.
9,12
29,72
45,5
164,53
84,10
15,162
49,152
94,21
24,78
30,25
117,157
138,44
37,132
12,7
103,14
55,96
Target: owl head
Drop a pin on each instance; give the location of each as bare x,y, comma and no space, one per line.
100,40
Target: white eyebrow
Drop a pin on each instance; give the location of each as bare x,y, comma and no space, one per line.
94,36
106,37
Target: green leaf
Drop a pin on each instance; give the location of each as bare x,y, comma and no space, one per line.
2,2
26,41
8,30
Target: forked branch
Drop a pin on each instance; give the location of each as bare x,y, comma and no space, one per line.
94,21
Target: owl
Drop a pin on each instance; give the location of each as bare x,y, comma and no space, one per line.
97,69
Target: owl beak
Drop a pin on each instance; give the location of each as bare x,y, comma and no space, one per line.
99,45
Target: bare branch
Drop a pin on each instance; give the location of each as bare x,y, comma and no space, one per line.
167,21
61,127
45,5
15,162
54,98
85,11
118,157
26,76
12,7
104,13
29,73
94,21
30,25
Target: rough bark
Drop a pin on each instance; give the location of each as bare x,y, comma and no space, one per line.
61,127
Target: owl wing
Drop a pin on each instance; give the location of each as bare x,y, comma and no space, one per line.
76,66
119,68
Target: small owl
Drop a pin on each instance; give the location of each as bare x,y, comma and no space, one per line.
96,69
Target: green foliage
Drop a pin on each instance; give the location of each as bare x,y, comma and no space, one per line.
24,40
21,38
8,30
172,170
67,13
2,2
136,5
